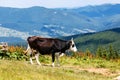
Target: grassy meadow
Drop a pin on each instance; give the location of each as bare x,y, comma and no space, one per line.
71,69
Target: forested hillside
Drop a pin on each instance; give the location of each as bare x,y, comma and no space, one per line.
103,39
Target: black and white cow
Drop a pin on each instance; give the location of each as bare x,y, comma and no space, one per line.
53,46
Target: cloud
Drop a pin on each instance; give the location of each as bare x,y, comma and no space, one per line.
54,3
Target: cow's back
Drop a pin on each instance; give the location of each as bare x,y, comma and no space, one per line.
47,45
43,45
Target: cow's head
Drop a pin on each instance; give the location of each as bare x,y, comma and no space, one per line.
72,46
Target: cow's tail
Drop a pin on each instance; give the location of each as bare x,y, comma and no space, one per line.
28,48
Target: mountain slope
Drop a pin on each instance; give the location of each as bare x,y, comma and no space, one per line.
6,32
99,11
92,41
60,22
37,18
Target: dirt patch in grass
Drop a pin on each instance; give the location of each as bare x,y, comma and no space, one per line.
102,71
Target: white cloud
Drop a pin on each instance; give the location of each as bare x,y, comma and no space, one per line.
54,3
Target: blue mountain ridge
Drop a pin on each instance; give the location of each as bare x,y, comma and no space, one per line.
60,22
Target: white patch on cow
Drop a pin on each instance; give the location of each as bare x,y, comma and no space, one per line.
28,47
53,65
31,51
37,58
62,54
31,60
57,55
73,46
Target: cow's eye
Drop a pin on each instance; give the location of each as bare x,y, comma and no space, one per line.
73,45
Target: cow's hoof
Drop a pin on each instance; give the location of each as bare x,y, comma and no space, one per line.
53,65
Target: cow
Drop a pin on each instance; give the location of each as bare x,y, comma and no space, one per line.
54,46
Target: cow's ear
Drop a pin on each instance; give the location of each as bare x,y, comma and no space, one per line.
72,39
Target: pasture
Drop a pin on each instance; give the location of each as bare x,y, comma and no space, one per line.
71,69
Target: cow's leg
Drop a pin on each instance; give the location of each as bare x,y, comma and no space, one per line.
29,51
57,58
37,58
31,57
62,54
53,59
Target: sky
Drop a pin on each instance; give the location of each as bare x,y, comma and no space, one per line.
54,3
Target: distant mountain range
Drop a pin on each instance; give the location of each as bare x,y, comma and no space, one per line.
24,22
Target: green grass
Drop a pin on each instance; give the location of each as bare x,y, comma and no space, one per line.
70,69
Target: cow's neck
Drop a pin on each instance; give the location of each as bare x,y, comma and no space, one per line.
66,47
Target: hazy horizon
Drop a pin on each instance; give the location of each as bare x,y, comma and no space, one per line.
54,3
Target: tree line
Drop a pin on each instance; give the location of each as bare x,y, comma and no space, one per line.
108,53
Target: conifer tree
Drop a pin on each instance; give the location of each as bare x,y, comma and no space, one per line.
99,52
87,53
